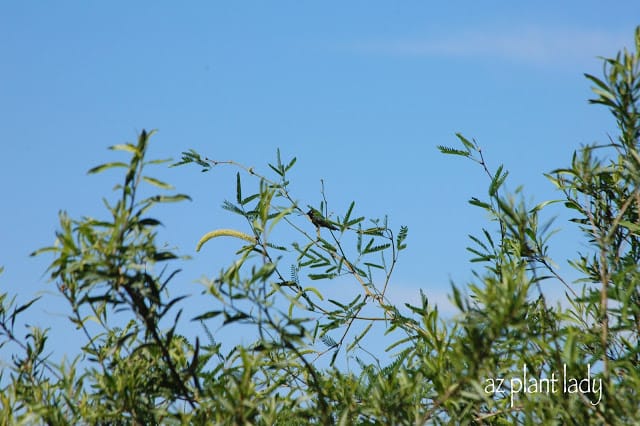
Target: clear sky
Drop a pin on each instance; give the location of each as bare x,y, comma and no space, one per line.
360,92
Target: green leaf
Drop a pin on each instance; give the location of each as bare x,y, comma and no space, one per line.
497,181
376,231
290,165
478,241
229,206
373,249
353,222
170,198
341,305
233,318
21,309
457,298
358,338
475,202
125,147
321,276
106,166
238,189
249,199
163,255
207,315
481,257
634,228
542,205
374,265
145,222
452,151
156,182
348,214
601,84
314,291
329,341
159,161
470,146
572,205
402,236
274,169
277,217
192,156
569,350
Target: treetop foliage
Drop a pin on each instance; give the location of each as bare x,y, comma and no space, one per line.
510,356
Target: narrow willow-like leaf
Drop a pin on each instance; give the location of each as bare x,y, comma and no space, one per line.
125,147
478,241
475,202
290,165
634,228
164,255
335,302
156,182
249,199
170,198
374,265
238,189
347,215
314,291
353,222
481,257
497,181
107,166
316,277
233,318
21,308
468,144
159,161
277,170
359,337
146,222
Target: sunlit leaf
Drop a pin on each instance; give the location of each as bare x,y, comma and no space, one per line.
107,166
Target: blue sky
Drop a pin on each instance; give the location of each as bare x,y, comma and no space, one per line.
360,92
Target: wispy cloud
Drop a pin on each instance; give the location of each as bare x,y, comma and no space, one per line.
531,45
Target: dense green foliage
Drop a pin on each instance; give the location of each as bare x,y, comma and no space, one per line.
142,369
